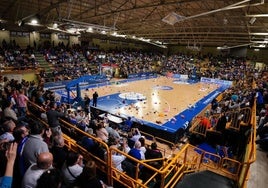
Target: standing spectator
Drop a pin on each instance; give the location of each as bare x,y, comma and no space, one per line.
128,124
53,119
59,151
221,124
22,103
95,98
47,137
33,173
34,145
87,104
20,134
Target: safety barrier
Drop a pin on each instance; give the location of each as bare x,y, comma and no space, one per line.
250,154
189,159
235,119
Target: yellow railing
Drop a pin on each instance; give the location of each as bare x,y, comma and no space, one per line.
236,119
188,159
250,155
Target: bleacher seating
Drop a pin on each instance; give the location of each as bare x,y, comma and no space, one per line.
188,159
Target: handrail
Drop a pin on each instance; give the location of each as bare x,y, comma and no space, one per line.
166,170
95,139
234,124
234,162
254,125
147,134
139,163
171,144
250,156
176,165
36,106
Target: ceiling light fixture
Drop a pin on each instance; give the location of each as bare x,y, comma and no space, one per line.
34,21
55,25
89,29
252,20
257,15
20,23
260,34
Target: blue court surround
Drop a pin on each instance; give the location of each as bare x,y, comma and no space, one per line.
111,102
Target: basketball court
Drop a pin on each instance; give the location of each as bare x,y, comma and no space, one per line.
161,103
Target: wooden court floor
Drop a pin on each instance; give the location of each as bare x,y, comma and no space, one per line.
164,97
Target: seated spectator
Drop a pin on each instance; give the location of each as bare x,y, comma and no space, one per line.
129,140
101,132
154,153
135,134
117,158
33,173
262,129
136,152
205,122
124,145
263,142
113,131
8,128
143,147
128,165
9,112
72,168
50,179
87,142
99,150
88,177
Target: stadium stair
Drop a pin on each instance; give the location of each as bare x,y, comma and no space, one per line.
205,179
43,64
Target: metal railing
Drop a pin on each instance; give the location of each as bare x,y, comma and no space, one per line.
189,159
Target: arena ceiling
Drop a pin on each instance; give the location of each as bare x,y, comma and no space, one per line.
195,23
